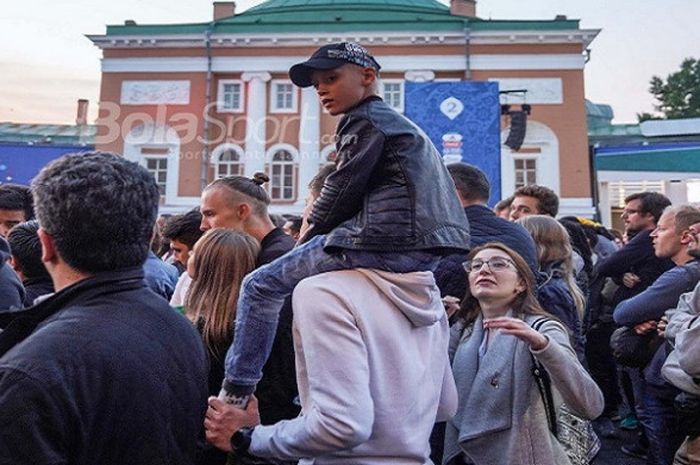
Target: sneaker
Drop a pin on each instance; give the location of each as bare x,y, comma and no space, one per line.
605,428
630,423
635,450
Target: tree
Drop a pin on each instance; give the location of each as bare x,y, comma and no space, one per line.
641,117
679,95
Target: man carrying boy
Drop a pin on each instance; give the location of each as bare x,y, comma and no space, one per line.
390,205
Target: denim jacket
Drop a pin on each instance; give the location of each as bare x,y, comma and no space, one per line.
391,191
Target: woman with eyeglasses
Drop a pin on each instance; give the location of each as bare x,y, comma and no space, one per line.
501,418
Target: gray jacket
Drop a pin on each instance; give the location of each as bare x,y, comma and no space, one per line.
501,417
682,367
678,318
687,342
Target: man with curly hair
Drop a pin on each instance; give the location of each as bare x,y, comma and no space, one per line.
534,200
103,371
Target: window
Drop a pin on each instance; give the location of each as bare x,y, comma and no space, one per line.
284,97
158,167
229,164
621,189
525,172
393,94
282,180
230,96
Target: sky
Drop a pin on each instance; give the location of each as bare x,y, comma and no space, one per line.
47,63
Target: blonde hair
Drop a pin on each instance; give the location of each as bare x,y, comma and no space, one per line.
222,258
554,246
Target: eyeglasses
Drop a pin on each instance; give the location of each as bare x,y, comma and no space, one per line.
494,264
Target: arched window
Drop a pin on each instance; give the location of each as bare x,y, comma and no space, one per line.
229,164
282,176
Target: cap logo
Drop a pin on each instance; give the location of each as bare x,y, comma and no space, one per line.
353,53
356,48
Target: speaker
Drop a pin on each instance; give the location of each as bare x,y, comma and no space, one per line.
518,127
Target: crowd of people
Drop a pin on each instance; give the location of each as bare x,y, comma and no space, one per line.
398,320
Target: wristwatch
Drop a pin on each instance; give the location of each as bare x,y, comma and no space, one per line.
240,441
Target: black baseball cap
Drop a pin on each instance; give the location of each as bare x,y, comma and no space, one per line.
332,56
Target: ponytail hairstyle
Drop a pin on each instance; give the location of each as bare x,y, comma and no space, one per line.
249,190
222,257
554,247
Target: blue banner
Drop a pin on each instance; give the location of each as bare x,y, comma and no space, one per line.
463,120
19,162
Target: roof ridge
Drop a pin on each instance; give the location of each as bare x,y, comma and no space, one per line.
287,5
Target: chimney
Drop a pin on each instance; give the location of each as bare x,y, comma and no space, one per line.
463,8
224,10
81,117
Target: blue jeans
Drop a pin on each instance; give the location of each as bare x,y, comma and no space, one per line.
263,293
658,418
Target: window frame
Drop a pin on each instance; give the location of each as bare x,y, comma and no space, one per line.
219,163
220,101
158,159
525,170
293,163
402,91
274,83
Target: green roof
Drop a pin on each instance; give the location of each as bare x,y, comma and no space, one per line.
281,4
323,16
57,134
664,160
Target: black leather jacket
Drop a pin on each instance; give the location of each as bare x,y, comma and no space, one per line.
391,191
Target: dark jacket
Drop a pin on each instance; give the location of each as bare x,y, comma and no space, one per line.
275,244
11,290
485,227
638,257
103,372
391,191
36,287
277,389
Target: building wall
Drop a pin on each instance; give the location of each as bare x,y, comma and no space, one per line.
566,120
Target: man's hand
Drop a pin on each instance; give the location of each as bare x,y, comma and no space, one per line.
645,328
661,326
222,420
630,280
